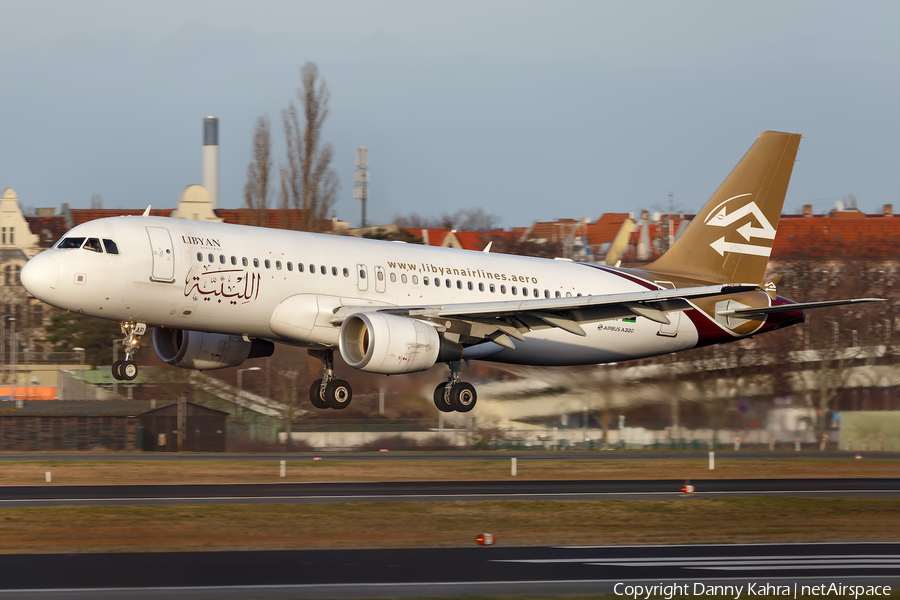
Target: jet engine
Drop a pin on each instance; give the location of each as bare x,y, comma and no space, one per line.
391,344
206,351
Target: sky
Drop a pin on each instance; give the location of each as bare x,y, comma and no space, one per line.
528,110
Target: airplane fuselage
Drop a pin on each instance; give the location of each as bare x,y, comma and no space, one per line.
262,283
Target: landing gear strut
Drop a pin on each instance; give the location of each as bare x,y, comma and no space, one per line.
329,392
127,369
455,395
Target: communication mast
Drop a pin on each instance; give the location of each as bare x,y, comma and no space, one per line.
361,181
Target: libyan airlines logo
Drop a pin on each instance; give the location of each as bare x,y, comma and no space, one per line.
720,217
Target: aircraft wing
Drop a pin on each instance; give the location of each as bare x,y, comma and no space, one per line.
501,320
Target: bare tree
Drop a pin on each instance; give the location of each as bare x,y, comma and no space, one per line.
258,188
308,182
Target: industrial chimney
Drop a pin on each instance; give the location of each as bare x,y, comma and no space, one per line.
211,159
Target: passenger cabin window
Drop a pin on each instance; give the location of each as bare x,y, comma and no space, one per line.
222,259
278,264
268,264
256,262
480,287
447,282
290,266
211,258
111,247
323,270
334,271
416,279
393,277
425,280
244,261
234,260
362,273
502,289
93,244
513,290
403,278
71,243
199,257
299,267
493,288
380,276
346,272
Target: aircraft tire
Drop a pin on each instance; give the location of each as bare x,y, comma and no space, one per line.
128,370
439,401
338,394
315,395
463,397
117,370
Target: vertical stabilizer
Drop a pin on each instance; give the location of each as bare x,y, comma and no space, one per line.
731,238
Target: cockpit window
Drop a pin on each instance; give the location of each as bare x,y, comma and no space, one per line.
93,244
111,247
73,242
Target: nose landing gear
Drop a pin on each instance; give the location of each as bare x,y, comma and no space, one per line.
127,370
455,395
329,392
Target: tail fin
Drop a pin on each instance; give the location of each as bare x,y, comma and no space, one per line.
731,237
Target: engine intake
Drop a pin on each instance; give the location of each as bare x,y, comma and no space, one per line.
390,344
206,351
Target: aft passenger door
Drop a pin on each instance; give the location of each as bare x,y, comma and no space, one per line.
670,330
163,255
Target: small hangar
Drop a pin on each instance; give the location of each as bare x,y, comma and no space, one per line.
65,425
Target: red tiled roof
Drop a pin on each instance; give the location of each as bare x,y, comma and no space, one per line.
837,237
48,229
276,218
83,215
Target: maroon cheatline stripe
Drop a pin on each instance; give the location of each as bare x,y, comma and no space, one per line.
631,278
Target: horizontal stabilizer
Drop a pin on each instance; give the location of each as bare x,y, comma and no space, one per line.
768,310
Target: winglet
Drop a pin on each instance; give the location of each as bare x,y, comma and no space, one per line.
487,248
147,212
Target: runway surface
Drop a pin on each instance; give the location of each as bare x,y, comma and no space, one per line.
499,455
443,571
440,491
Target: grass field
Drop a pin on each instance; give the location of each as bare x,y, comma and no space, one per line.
90,472
515,523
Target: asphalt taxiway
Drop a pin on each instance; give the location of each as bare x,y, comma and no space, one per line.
442,571
452,455
437,491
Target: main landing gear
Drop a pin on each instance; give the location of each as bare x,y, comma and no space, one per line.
126,370
455,395
329,392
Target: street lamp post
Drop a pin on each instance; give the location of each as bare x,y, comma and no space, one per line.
80,352
240,380
12,355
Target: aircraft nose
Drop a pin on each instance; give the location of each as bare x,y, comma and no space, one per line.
40,276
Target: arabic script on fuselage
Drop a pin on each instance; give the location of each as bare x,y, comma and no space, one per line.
231,285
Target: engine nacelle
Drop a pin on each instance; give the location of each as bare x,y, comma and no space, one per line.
391,344
206,351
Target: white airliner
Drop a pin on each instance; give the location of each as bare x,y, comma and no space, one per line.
215,294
